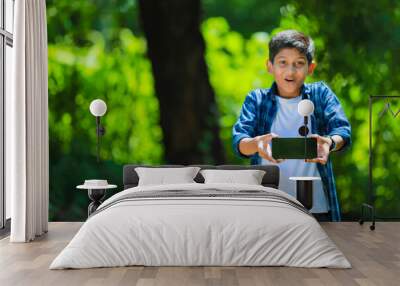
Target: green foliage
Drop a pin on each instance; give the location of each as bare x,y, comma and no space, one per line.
236,66
121,77
243,64
246,16
360,58
103,55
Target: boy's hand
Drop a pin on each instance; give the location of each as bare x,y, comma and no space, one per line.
264,149
323,145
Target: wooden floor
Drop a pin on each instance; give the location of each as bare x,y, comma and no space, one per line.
374,255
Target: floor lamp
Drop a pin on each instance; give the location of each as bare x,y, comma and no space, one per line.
370,206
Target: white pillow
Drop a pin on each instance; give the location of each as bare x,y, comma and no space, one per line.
162,176
249,177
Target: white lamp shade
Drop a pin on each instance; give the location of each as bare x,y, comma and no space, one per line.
305,107
98,107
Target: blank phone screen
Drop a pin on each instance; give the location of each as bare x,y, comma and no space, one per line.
294,148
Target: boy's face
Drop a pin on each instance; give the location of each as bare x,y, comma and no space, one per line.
290,69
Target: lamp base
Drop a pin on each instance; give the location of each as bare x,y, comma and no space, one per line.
304,193
372,215
97,196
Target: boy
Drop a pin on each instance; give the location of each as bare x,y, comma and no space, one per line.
268,113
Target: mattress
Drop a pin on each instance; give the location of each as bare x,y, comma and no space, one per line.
201,225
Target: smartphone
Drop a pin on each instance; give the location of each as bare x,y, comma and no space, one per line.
294,148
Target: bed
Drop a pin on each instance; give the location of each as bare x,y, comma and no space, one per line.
201,224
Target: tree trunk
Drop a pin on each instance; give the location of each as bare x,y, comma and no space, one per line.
188,111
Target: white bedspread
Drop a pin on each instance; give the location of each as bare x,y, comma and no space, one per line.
186,231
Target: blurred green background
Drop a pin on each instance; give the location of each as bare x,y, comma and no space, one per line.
98,49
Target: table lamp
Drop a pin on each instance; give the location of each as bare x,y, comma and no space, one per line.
304,185
98,108
305,108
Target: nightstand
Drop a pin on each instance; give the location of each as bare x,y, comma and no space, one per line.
96,193
304,190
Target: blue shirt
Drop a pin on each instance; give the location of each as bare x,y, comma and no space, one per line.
259,111
286,124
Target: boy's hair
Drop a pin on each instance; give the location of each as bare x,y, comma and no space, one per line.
291,39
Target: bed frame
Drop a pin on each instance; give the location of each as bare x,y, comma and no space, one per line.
270,179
